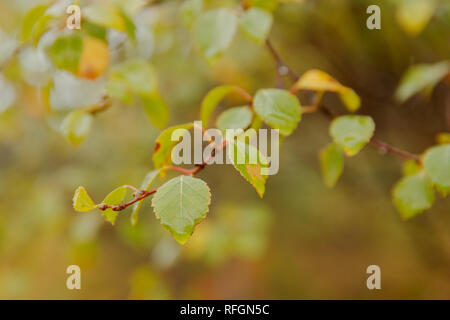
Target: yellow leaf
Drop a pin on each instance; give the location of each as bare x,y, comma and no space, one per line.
317,80
81,201
94,58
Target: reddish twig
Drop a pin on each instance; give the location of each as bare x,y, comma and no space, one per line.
142,194
378,144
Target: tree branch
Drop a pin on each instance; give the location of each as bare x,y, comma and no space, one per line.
382,146
142,194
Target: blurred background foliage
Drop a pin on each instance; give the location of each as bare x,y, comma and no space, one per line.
302,240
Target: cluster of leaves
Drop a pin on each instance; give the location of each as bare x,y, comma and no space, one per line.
81,73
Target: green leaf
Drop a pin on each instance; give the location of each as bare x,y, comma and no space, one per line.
255,23
249,162
76,126
156,109
81,201
181,204
332,164
164,145
213,32
235,118
106,15
352,133
212,99
35,23
137,75
412,195
146,184
414,15
436,162
317,80
130,28
420,77
278,108
115,197
66,51
189,11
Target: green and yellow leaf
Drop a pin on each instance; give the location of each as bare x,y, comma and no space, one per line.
180,204
352,132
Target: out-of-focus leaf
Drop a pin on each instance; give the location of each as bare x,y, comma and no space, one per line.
35,23
235,118
138,75
332,164
414,15
411,167
81,201
8,46
213,32
94,59
352,133
255,23
317,80
115,197
7,94
278,108
249,162
146,184
66,51
420,77
443,138
94,30
76,126
106,15
412,195
71,92
156,109
212,99
189,11
180,204
436,162
164,145
35,66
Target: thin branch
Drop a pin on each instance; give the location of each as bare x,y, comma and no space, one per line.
378,144
142,194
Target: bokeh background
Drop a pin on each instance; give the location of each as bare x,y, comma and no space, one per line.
302,241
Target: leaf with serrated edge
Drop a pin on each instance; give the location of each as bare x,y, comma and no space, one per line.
412,195
180,204
278,108
115,197
164,145
242,156
81,201
235,118
146,184
352,133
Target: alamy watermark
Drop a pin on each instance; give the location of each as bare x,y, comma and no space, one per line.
251,147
